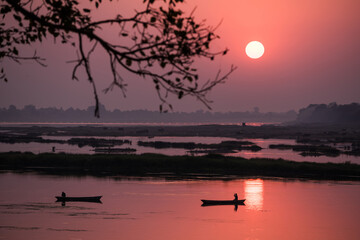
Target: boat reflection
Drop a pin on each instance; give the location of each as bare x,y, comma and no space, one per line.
254,194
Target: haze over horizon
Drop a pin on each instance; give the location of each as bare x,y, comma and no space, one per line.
312,55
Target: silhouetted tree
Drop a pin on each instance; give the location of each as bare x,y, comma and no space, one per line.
158,42
331,113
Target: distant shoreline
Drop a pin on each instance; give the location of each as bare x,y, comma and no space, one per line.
211,166
30,113
126,124
312,132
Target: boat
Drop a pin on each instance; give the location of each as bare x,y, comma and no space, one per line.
79,199
223,202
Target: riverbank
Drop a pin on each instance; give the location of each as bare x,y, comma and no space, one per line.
210,166
305,133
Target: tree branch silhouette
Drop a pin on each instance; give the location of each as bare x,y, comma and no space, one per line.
158,43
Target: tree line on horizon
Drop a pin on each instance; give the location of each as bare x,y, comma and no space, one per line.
330,113
51,114
313,113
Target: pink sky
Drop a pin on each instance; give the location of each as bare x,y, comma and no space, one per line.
312,55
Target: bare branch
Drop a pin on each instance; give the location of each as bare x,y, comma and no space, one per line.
157,43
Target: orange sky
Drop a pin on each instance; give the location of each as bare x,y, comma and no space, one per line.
311,55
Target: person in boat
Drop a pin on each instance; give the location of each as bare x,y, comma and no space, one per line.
63,194
236,197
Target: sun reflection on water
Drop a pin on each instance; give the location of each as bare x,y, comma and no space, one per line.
254,194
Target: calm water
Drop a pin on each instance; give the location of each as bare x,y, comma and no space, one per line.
158,209
264,143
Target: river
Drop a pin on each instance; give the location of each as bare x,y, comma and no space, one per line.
162,209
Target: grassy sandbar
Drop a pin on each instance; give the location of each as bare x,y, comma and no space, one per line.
155,164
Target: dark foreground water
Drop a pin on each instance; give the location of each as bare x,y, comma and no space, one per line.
159,209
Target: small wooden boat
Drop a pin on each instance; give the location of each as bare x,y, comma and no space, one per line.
78,199
222,202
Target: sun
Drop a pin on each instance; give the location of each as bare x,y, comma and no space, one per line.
254,49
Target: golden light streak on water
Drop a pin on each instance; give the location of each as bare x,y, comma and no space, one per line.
254,194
